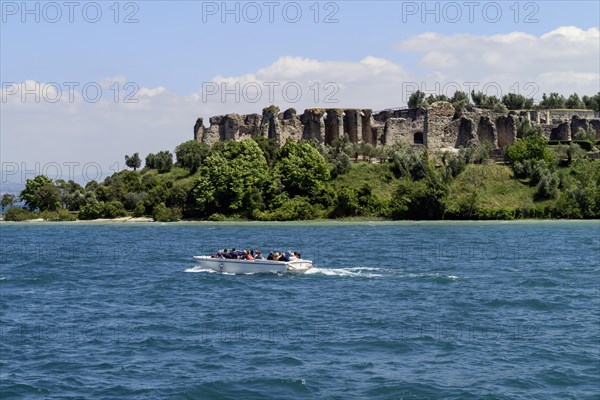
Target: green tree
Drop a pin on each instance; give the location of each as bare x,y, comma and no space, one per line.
484,101
340,165
41,193
229,176
8,199
162,213
526,129
268,147
190,154
500,108
574,102
72,194
92,209
432,98
338,145
347,203
352,150
460,101
592,102
139,210
410,162
178,196
91,186
583,134
163,161
301,169
553,101
150,161
514,101
423,199
114,209
366,149
416,99
134,161
528,151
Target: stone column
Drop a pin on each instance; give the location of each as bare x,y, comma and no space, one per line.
334,124
367,134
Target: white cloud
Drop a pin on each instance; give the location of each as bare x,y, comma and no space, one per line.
514,58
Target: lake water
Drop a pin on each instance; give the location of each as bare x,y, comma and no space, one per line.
499,310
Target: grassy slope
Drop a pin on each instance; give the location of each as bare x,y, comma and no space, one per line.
493,184
494,187
180,175
378,176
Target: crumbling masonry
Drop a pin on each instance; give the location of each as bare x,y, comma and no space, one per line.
437,127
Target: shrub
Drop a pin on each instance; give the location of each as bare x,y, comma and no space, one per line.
298,208
216,217
19,214
477,154
455,163
190,154
538,171
133,199
347,203
502,213
410,162
114,209
139,210
341,165
162,213
582,134
569,152
92,209
500,108
547,187
300,168
418,200
58,215
232,178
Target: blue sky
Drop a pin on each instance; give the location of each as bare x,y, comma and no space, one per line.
175,47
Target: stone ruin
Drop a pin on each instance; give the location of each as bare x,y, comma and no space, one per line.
437,127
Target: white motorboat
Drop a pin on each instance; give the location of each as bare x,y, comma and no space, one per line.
233,266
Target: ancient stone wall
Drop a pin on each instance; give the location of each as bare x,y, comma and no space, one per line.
560,132
595,125
506,129
438,131
438,127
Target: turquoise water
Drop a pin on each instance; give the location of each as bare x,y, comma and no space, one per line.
392,311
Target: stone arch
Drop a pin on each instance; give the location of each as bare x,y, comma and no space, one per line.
418,138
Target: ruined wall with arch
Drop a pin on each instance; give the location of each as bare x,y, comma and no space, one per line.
436,127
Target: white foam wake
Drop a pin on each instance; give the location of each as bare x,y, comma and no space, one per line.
200,269
354,271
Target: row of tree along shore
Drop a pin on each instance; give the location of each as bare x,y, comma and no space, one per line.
254,180
511,101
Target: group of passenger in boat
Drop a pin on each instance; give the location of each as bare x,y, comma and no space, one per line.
234,254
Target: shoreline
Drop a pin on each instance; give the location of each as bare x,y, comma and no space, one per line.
145,220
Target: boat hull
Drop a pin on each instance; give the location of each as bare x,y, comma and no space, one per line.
252,266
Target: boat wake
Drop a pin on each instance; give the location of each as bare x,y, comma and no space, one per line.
362,272
200,269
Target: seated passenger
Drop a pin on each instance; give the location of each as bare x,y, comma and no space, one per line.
258,255
288,256
271,256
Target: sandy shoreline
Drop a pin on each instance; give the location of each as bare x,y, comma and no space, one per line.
121,219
